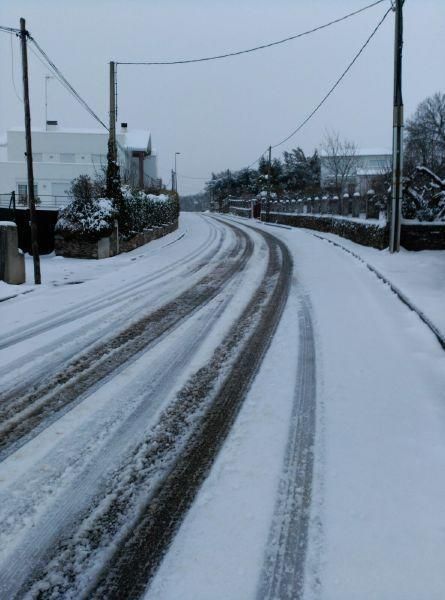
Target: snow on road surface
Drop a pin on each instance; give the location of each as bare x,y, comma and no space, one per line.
377,520
329,484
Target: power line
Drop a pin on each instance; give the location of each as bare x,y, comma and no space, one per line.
62,79
331,90
19,98
9,29
320,104
248,50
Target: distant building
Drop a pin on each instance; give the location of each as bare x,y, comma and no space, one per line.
61,154
367,164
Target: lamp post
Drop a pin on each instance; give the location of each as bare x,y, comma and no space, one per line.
176,175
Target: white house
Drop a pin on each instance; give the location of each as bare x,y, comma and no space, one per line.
367,164
61,154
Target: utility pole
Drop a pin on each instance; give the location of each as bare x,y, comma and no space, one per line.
176,173
397,143
173,180
113,180
31,198
269,177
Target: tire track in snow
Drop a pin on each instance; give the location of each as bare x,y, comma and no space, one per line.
24,417
187,439
284,566
97,303
47,359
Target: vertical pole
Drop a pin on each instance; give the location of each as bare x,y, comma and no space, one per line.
397,152
31,198
173,180
269,175
113,111
113,180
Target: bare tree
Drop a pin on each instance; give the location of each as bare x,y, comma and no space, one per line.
338,160
425,135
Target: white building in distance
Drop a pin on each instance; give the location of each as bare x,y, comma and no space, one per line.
365,165
61,154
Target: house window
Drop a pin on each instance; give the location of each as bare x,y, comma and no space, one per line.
22,192
67,157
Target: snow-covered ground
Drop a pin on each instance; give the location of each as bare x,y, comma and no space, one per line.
376,521
420,276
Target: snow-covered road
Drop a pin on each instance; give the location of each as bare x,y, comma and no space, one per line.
319,393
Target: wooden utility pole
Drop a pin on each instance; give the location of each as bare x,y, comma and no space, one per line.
397,144
112,132
31,198
269,177
113,177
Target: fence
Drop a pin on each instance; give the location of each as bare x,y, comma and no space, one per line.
368,206
14,201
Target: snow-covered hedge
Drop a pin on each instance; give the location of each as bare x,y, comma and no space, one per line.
142,211
90,216
90,219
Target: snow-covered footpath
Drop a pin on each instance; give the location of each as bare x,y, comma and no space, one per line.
377,519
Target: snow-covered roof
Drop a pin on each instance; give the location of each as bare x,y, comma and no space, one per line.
138,139
373,151
59,129
365,152
371,171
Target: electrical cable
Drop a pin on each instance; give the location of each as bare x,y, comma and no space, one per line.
249,50
9,29
20,99
320,104
66,83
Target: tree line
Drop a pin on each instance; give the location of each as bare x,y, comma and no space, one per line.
297,173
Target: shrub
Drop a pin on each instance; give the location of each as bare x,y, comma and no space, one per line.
87,216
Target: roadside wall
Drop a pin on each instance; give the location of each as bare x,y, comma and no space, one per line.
109,246
358,218
367,234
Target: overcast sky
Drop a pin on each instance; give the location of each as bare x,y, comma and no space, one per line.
223,114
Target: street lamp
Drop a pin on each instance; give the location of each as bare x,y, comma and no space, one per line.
176,176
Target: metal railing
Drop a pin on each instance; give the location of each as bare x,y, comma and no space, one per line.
43,201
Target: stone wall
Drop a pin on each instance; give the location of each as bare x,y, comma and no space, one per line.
423,236
109,246
368,234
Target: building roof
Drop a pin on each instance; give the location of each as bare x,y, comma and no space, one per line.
366,152
373,151
138,139
133,139
62,130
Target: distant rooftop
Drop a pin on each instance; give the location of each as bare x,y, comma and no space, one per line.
133,139
368,152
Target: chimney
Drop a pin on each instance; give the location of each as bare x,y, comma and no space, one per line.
52,126
124,127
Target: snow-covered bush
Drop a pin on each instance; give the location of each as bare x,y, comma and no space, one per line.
143,211
424,196
91,216
87,216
